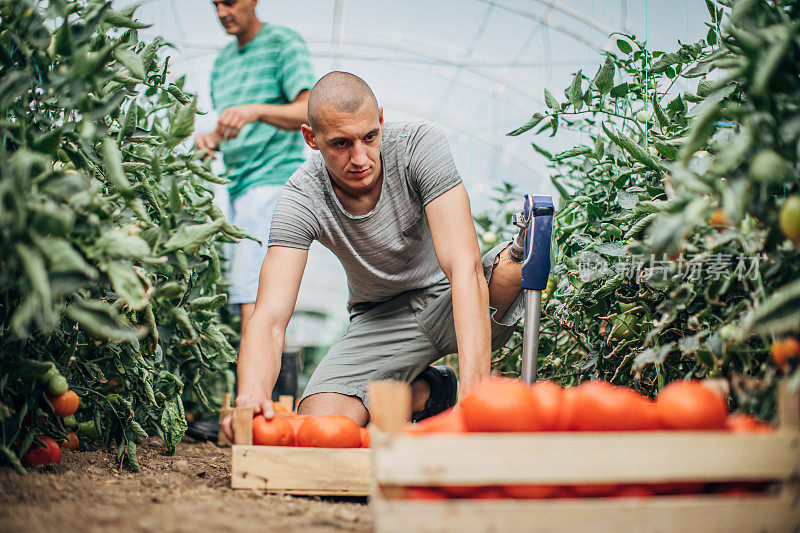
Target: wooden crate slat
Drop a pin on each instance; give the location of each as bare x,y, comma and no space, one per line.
312,471
565,458
709,514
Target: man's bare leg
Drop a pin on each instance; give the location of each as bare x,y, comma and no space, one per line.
505,284
332,403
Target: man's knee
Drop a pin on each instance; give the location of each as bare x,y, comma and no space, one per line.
332,403
505,283
506,272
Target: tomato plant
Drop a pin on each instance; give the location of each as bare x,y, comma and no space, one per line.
108,233
675,234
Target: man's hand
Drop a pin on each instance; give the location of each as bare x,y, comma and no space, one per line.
206,142
233,119
259,403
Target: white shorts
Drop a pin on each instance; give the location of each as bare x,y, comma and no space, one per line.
252,212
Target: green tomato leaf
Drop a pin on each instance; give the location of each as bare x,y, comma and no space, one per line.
619,91
624,46
182,123
131,61
113,162
534,120
604,80
127,285
551,101
100,320
576,91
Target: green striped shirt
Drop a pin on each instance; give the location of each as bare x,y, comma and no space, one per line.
273,68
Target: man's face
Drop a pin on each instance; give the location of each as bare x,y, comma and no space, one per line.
235,15
351,146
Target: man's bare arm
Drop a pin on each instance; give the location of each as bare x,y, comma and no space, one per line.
458,253
264,334
286,116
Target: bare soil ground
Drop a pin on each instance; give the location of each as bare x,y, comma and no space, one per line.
189,491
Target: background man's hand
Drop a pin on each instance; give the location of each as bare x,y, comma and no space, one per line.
261,404
233,119
206,142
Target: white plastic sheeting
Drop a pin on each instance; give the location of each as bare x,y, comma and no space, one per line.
476,67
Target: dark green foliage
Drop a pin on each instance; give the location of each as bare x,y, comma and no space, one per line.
108,236
657,164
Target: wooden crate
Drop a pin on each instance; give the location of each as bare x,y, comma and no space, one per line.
582,458
293,470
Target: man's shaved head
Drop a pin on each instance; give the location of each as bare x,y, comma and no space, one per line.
341,91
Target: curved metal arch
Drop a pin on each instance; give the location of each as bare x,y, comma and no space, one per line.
543,19
577,15
423,52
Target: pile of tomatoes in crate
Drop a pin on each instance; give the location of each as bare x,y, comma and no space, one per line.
290,429
505,405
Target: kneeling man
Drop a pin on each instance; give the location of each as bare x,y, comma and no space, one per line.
388,201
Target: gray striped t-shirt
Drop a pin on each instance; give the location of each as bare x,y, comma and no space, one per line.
388,250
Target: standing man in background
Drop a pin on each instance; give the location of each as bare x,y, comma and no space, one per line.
260,86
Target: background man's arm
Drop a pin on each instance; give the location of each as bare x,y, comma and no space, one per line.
458,253
286,116
264,334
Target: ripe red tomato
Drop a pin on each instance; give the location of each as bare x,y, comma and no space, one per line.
71,442
365,441
569,411
606,407
329,431
548,397
633,491
449,421
743,423
783,350
460,491
650,418
689,405
42,455
275,432
501,404
64,404
531,492
593,490
488,493
295,421
424,493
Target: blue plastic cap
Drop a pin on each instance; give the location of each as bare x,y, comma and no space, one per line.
536,264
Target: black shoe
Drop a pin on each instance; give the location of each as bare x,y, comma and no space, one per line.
203,429
286,384
444,386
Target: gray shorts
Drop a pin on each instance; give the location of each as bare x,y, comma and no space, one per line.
399,338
